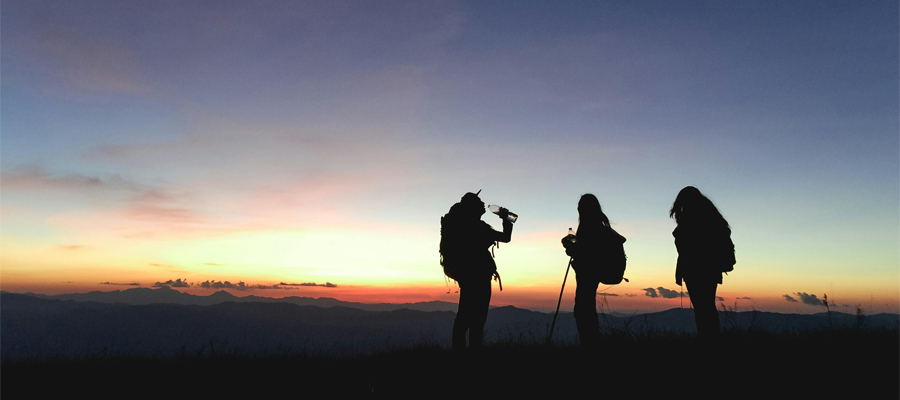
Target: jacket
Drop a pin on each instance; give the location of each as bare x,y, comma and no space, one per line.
590,248
703,251
465,247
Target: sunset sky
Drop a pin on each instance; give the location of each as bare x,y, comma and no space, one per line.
290,142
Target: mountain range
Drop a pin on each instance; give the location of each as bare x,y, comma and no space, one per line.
167,295
165,322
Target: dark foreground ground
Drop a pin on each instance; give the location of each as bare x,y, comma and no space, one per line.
858,363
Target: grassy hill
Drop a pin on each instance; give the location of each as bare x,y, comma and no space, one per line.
826,363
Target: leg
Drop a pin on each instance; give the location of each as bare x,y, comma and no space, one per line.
462,323
586,310
480,306
703,297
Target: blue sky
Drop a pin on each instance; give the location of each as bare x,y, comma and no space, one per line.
200,118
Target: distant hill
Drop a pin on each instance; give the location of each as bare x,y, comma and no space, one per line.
33,327
166,295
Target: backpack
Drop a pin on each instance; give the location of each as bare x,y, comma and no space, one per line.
612,266
450,247
727,254
461,251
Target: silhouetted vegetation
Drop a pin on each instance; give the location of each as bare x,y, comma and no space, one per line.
822,362
109,350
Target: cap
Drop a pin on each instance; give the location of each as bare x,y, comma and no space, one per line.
471,198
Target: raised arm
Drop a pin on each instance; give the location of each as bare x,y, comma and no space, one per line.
506,235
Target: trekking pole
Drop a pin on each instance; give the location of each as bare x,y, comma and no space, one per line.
561,290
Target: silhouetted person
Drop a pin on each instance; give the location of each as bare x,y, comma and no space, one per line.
593,238
467,259
705,251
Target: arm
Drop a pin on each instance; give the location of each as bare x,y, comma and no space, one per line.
678,272
571,247
506,235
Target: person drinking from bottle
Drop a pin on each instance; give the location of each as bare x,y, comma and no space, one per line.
465,256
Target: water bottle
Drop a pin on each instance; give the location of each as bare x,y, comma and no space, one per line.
571,236
511,217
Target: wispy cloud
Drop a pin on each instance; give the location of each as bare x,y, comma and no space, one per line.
163,265
661,292
667,293
809,299
243,286
36,177
178,283
213,284
121,284
805,298
224,285
273,287
121,206
326,284
169,268
69,246
164,214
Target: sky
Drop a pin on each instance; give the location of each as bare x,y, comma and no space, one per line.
283,148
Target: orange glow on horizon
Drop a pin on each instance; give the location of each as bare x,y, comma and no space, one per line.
536,298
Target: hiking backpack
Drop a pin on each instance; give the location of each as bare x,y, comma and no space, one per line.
450,247
612,267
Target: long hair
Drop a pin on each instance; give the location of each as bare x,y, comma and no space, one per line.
590,215
693,208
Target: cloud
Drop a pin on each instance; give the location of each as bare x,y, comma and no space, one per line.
121,284
268,287
651,292
809,299
124,207
69,246
607,294
165,212
790,299
326,284
224,285
720,298
630,295
171,283
243,286
168,267
667,294
745,298
36,177
162,214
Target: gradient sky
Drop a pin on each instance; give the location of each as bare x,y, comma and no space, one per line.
274,142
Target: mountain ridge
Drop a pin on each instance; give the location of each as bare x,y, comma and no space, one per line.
34,327
166,295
